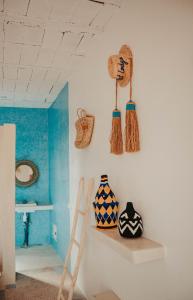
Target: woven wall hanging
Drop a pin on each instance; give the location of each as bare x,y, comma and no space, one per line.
116,133
120,68
84,129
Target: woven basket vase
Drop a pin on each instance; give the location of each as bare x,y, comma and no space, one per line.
130,222
106,206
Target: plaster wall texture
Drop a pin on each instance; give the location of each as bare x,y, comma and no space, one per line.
159,178
7,205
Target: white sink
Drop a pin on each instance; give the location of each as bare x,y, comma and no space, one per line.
31,207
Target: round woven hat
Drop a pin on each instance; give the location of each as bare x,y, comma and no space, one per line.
120,66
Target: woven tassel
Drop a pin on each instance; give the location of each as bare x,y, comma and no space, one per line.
132,143
116,140
116,133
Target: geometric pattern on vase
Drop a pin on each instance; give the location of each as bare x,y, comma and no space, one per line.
106,206
130,222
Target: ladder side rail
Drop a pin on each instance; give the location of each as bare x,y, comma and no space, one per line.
73,240
70,294
84,228
75,221
74,225
80,252
77,207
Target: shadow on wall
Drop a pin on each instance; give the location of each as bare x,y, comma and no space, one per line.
58,137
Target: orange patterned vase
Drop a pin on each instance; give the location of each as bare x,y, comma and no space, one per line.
106,206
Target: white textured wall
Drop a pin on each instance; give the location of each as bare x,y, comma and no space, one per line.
7,203
159,179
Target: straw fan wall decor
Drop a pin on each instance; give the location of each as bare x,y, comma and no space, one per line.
120,68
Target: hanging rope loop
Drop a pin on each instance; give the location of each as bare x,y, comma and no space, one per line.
116,93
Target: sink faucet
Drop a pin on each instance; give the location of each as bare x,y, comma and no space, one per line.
26,221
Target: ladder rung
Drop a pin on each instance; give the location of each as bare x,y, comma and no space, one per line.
83,213
71,277
76,243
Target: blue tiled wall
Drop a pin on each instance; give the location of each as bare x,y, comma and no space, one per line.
59,169
32,144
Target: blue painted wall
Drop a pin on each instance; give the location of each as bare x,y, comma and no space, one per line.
42,135
59,169
32,144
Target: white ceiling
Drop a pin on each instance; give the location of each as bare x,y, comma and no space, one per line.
42,42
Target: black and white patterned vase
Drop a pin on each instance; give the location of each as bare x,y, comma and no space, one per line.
130,222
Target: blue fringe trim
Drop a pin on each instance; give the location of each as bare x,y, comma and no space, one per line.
130,105
116,114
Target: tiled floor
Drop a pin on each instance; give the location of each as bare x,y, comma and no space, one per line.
41,263
36,257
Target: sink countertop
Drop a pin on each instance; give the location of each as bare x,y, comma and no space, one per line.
32,208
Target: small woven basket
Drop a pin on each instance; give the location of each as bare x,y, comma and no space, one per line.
84,129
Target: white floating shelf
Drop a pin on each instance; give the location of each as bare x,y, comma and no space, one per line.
137,251
30,208
109,295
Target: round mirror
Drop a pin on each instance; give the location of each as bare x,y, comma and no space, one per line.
26,173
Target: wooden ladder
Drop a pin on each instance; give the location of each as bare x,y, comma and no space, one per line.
73,242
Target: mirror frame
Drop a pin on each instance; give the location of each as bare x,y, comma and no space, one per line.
35,173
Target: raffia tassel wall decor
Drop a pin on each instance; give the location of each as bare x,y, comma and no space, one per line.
116,133
121,70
